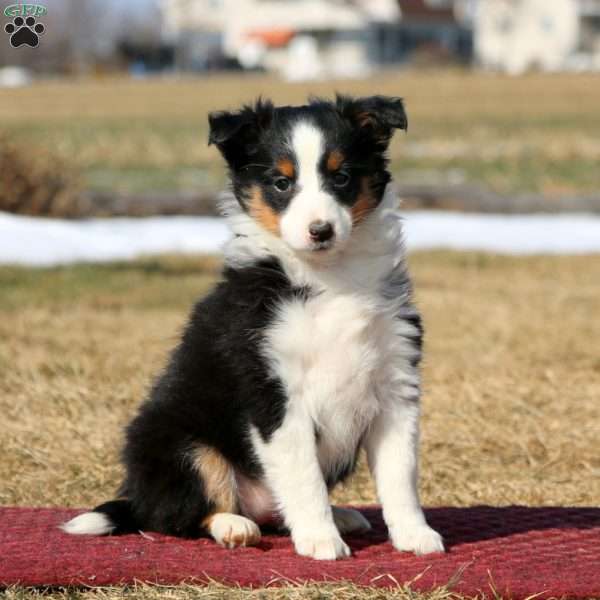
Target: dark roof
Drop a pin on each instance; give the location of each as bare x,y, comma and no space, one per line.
420,10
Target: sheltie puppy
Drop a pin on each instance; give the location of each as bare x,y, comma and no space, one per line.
307,350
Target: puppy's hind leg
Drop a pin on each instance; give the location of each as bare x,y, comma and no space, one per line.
228,528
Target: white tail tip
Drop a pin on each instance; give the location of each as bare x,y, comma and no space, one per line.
91,523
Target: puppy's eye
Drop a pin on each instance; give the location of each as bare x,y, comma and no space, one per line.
341,179
282,184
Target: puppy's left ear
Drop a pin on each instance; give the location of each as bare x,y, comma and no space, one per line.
378,116
225,125
236,134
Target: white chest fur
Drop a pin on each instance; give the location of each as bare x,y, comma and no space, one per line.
330,352
336,356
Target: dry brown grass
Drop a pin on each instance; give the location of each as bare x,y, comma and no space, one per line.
34,181
537,132
215,591
460,91
512,383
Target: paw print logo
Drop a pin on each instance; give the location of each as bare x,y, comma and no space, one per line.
24,32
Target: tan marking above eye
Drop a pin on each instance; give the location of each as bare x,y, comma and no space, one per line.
335,160
262,212
286,167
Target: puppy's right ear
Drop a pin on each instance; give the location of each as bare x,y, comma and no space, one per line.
375,116
236,133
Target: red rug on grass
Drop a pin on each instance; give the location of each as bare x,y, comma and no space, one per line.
519,551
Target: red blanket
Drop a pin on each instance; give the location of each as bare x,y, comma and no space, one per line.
520,551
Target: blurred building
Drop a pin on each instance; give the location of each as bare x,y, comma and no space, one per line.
518,35
310,39
436,32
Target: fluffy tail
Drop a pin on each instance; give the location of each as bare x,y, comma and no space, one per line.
112,517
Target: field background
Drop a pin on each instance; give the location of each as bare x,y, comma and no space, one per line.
538,133
512,375
512,371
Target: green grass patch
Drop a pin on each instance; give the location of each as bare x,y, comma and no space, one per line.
151,283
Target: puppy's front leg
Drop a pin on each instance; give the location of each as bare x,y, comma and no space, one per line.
392,451
292,471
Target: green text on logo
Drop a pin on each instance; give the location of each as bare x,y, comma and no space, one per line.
25,10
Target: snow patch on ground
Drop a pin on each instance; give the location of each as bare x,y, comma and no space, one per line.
45,242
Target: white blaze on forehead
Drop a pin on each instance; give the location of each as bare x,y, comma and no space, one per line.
307,143
311,202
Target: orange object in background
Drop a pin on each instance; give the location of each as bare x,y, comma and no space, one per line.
273,38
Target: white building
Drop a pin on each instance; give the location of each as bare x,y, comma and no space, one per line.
551,35
312,39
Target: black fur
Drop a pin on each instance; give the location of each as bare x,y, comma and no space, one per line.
120,514
414,319
215,384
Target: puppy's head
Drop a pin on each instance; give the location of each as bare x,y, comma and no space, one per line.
309,174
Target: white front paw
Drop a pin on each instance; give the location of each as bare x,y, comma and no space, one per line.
321,546
420,539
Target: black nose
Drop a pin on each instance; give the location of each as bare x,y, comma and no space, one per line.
320,231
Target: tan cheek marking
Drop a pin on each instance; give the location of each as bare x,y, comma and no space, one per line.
365,203
262,212
218,479
286,167
335,160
